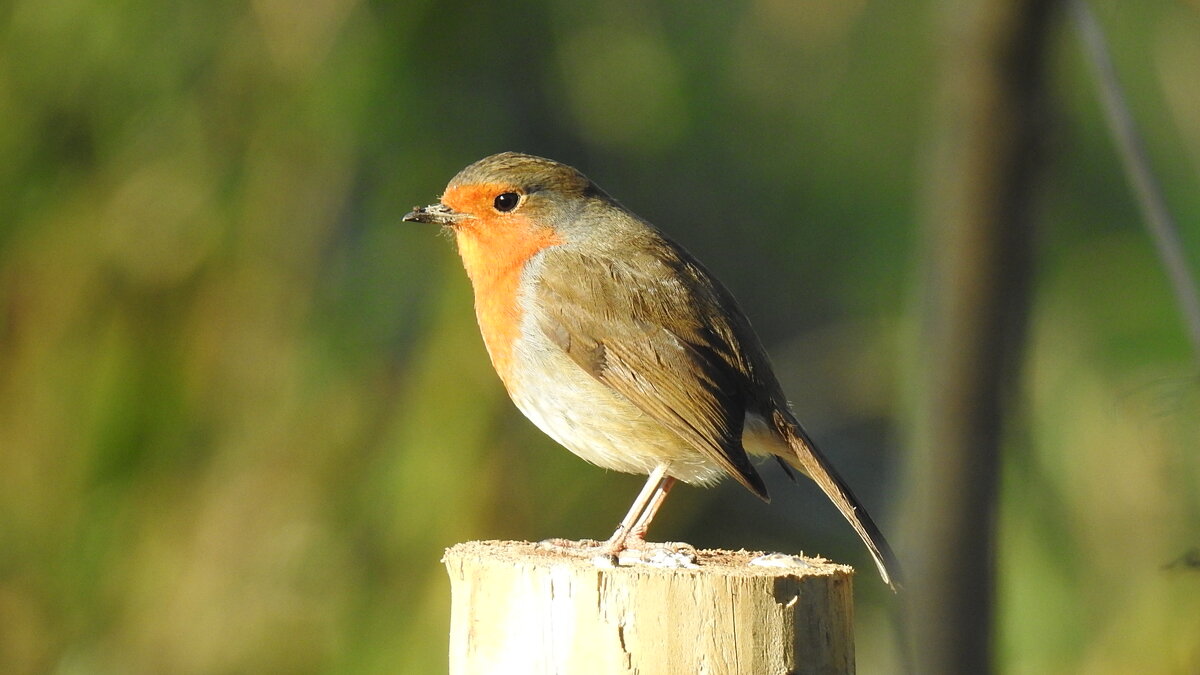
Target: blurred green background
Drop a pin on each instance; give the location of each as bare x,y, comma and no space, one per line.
243,408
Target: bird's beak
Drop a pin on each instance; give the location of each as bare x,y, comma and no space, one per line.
437,214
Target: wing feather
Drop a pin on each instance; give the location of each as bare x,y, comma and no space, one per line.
636,329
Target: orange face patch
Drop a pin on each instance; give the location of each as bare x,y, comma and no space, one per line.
494,248
476,198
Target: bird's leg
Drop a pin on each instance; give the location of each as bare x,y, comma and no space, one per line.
628,543
642,510
639,529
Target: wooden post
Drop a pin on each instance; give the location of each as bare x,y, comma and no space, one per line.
519,607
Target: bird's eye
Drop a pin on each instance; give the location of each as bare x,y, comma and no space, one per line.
506,201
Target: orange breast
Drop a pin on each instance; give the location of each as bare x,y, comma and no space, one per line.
494,253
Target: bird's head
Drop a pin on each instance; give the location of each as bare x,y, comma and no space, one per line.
510,192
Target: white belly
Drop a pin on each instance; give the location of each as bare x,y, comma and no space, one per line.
593,421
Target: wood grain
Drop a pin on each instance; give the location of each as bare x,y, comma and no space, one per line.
519,607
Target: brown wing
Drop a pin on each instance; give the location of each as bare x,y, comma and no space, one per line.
658,330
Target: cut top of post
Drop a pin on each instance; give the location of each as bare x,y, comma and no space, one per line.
531,608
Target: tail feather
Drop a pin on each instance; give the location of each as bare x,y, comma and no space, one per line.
809,460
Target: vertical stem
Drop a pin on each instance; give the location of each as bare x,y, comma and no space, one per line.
979,253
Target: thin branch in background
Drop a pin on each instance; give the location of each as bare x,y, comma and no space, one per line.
1132,150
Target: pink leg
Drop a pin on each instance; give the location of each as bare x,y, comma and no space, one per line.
637,520
639,529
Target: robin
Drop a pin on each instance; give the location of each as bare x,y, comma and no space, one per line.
619,344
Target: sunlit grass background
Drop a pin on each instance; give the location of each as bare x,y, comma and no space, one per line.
243,408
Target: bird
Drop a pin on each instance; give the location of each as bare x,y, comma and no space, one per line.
619,345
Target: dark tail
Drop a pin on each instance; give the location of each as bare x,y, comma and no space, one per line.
809,460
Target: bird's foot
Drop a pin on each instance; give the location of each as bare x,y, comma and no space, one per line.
573,547
671,554
630,550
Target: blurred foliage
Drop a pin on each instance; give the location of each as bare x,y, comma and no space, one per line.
243,408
